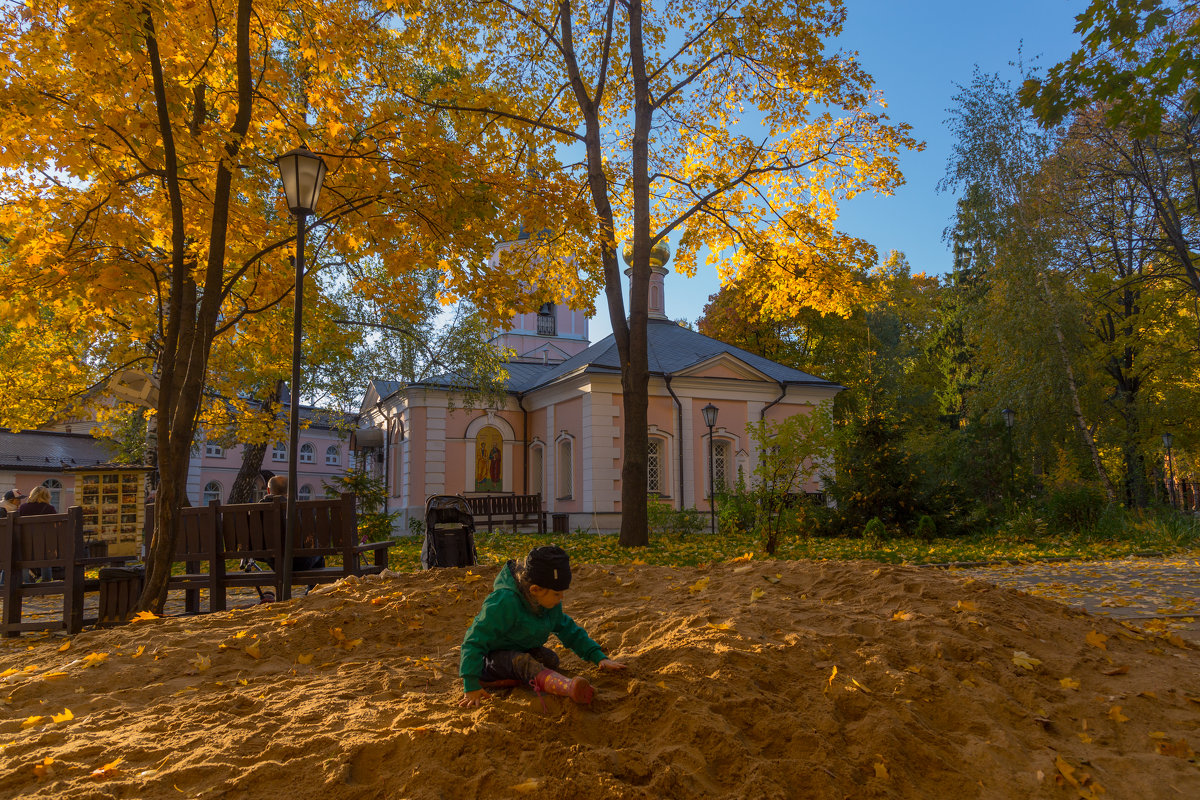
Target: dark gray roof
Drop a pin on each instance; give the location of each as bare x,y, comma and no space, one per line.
671,349
47,451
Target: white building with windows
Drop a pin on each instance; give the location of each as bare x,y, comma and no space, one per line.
559,432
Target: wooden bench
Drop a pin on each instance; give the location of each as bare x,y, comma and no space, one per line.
51,543
253,532
508,510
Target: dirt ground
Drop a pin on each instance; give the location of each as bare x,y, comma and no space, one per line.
745,680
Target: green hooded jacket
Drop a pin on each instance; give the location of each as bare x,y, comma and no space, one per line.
509,621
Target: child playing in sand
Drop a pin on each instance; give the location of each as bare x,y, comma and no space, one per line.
506,641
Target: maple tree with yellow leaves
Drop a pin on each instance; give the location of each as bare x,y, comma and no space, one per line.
729,125
142,220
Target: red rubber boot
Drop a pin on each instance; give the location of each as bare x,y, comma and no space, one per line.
551,682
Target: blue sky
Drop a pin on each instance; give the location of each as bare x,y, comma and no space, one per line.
917,50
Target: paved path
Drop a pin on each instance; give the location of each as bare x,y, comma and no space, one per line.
1158,593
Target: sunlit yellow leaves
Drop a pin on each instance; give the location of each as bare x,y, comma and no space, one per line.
1024,660
65,646
65,716
137,653
44,768
471,577
756,594
94,659
833,674
1097,639
143,616
699,585
109,770
201,662
29,722
720,626
53,676
902,616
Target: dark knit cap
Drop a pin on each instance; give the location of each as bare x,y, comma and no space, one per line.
549,567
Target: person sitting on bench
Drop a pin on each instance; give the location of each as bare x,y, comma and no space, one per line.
277,493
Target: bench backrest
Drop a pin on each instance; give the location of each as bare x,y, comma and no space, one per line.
197,537
251,530
327,524
44,540
500,504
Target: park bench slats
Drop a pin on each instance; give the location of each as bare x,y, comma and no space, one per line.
47,542
508,510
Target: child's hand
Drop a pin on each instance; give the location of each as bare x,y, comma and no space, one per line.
608,663
474,698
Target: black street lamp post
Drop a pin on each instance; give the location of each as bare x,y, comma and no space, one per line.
302,172
1167,439
710,419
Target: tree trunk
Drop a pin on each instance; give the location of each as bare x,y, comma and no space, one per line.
1080,424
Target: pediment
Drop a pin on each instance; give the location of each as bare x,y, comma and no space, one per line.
724,366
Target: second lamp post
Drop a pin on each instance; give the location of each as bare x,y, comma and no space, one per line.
302,172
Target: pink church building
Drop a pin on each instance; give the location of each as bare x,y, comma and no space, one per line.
559,432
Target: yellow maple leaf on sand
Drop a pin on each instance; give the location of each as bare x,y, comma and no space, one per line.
253,650
1115,715
143,616
1097,639
109,770
65,716
1023,659
1068,683
756,594
881,771
31,721
201,663
699,585
902,616
94,659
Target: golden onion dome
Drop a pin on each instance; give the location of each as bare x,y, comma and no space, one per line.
659,255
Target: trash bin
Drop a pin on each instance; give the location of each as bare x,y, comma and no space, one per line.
560,523
119,591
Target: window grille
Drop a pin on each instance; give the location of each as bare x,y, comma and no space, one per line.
720,456
654,474
212,491
305,493
279,452
214,450
546,323
332,456
307,453
55,486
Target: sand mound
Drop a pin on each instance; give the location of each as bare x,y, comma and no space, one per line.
746,680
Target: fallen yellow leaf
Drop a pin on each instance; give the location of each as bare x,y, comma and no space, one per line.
966,605
903,616
1023,659
833,675
756,594
526,786
720,626
141,649
65,716
1115,715
1068,683
31,721
304,658
143,616
253,651
337,634
44,767
881,771
1097,639
240,635
109,770
66,646
94,659
699,585
201,663
53,676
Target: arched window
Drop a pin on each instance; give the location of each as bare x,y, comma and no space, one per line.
55,486
565,469
212,491
305,493
536,463
308,453
279,452
546,321
332,456
489,460
656,476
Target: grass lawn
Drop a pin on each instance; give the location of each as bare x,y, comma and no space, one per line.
1135,534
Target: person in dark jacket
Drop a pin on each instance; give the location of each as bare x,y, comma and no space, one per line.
38,504
506,641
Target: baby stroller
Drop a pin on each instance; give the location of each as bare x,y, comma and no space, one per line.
449,533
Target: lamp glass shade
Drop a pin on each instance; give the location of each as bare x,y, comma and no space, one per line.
1009,415
710,415
302,172
1167,439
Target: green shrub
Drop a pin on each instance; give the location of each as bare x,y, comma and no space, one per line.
874,532
926,528
1074,508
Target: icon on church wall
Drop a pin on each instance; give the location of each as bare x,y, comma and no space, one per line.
489,463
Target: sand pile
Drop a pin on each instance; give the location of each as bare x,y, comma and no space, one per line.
746,680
